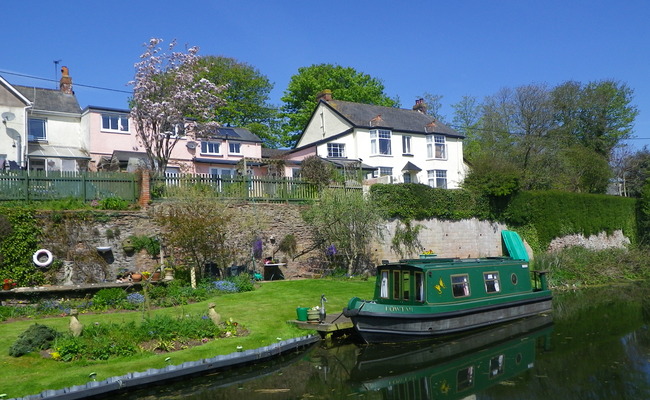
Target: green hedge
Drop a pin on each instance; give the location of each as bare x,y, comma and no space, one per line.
556,214
414,201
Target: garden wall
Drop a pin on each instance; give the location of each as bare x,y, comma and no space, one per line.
75,243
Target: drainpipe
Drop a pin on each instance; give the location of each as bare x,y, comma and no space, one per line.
23,159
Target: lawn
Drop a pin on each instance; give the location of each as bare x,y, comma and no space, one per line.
264,312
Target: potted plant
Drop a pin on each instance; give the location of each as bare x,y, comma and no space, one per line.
146,275
8,284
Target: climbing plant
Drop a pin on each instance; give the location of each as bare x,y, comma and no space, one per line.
18,246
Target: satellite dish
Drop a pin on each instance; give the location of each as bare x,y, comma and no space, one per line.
191,145
8,116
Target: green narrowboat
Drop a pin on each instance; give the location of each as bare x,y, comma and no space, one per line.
419,298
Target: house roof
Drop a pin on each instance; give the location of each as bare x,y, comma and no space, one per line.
273,153
231,133
51,100
411,167
398,119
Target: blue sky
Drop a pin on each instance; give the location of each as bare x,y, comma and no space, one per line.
450,48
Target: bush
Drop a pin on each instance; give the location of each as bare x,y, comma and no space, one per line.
110,297
113,203
36,337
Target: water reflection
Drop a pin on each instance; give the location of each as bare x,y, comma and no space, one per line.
599,348
453,369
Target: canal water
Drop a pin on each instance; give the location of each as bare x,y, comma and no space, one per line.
596,345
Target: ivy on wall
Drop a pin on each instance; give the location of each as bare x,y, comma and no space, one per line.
17,246
539,216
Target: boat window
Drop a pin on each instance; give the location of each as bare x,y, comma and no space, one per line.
465,378
396,285
491,282
513,278
384,285
460,285
419,287
496,365
406,285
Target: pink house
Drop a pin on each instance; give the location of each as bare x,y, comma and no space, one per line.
114,145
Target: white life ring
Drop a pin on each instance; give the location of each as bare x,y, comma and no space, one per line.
37,256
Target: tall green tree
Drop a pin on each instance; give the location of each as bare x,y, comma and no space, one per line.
466,120
598,115
246,97
346,83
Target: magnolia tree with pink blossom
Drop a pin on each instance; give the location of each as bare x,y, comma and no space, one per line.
170,101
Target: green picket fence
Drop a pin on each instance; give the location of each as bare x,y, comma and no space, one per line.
42,185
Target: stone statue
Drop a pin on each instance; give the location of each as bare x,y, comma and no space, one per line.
76,327
214,316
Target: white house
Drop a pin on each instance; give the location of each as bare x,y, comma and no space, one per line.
400,145
41,128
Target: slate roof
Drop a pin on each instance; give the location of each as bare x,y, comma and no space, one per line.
236,134
397,119
50,99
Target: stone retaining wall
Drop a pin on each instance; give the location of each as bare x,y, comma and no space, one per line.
464,239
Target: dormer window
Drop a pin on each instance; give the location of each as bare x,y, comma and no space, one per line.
115,122
380,142
37,130
436,147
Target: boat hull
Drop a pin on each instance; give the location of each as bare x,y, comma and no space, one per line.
382,327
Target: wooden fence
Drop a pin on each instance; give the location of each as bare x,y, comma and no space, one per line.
42,185
250,188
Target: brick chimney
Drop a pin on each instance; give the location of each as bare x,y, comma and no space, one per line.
65,84
325,95
420,106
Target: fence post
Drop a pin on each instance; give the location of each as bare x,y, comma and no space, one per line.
26,180
83,187
145,189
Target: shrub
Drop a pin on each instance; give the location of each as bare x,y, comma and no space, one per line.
110,297
113,203
36,337
244,283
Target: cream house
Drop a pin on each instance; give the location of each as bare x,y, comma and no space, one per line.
41,128
399,145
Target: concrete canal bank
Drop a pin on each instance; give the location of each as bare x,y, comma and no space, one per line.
135,380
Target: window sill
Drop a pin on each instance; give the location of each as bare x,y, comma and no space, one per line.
381,155
407,155
212,155
118,132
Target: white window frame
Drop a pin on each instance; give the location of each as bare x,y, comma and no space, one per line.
406,145
42,122
437,147
437,178
336,150
115,122
234,148
380,142
382,171
207,147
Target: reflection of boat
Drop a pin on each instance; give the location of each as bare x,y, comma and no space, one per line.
453,369
416,299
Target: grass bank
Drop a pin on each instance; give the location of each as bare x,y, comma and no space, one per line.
263,312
